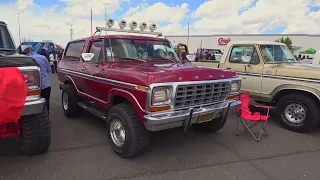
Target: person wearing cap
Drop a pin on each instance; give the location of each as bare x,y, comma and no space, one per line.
45,69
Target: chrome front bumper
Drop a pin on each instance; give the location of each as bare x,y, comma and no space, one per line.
33,106
185,118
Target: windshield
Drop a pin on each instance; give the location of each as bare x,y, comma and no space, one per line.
5,39
277,54
119,50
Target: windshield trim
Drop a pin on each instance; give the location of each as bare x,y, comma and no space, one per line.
107,43
277,61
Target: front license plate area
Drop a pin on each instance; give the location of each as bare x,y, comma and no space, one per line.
205,117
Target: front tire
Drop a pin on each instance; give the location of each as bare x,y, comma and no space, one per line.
210,127
298,112
69,100
36,133
127,135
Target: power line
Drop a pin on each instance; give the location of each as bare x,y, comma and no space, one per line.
71,31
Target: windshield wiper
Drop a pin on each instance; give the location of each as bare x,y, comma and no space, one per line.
168,59
127,58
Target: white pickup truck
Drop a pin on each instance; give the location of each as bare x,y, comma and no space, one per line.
271,74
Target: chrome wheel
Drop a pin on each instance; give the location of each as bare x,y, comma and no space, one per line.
65,101
117,132
295,113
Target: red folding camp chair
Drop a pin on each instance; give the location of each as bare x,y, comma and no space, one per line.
258,115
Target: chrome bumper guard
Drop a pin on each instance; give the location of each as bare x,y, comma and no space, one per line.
33,107
185,118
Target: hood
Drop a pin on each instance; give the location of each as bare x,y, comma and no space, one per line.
148,73
300,70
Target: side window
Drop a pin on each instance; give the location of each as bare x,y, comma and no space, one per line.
96,49
74,50
244,55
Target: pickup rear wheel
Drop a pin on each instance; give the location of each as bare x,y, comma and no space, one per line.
298,112
36,133
211,126
127,135
70,98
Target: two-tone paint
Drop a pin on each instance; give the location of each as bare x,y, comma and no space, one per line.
102,83
266,81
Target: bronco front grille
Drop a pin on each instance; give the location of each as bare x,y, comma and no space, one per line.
198,94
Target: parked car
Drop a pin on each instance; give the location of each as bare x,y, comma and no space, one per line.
137,84
271,74
33,126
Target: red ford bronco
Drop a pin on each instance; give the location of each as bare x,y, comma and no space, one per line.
137,84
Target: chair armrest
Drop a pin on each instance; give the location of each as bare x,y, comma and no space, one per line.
261,106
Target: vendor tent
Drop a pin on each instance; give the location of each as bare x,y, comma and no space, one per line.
308,51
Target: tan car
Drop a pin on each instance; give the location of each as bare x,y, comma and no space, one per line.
270,73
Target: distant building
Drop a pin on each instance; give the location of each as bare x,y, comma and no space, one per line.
300,42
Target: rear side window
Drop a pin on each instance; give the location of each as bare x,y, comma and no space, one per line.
74,49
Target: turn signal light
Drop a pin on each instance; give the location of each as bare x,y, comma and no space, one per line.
158,108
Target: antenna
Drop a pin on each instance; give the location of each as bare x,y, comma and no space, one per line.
71,31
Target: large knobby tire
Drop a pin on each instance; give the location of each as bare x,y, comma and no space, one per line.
210,127
298,112
136,138
69,100
36,133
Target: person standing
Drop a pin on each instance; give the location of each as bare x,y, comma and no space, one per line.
43,53
44,71
52,58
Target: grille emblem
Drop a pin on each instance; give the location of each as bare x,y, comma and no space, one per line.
180,78
210,76
222,75
197,77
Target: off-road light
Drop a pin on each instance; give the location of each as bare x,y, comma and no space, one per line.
143,26
133,25
110,22
122,24
152,27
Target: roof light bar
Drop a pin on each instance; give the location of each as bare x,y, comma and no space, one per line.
133,25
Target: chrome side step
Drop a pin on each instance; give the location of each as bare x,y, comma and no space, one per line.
93,110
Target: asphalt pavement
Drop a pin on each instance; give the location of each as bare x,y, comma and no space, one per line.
80,151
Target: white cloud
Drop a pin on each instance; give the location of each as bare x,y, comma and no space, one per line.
81,8
211,17
24,4
160,13
220,16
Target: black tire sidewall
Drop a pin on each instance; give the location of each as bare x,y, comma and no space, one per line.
119,116
73,109
305,102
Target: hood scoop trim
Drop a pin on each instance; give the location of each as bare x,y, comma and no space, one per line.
163,65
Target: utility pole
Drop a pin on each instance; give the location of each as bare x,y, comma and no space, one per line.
19,27
71,32
105,11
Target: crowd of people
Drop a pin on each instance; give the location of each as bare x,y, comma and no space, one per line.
48,64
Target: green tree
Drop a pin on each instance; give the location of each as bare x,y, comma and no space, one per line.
286,41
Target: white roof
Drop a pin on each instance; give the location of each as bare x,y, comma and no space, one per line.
255,42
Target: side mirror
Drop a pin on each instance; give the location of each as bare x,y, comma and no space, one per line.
19,50
87,56
191,57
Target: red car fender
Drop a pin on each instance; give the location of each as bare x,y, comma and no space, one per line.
129,96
